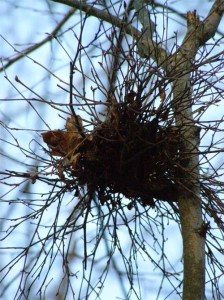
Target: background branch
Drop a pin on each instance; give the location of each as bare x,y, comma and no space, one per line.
27,51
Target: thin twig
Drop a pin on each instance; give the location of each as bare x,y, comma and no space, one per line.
41,43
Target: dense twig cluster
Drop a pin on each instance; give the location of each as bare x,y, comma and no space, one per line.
124,154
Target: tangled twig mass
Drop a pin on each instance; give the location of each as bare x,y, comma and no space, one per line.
126,153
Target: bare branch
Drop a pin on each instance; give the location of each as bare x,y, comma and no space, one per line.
146,45
100,14
199,32
145,19
50,37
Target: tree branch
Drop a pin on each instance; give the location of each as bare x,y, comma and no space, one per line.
200,32
148,25
100,14
146,46
211,23
51,36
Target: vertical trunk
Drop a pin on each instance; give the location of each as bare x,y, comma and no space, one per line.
193,249
189,196
193,240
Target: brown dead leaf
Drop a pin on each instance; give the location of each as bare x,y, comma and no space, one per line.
64,143
55,140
